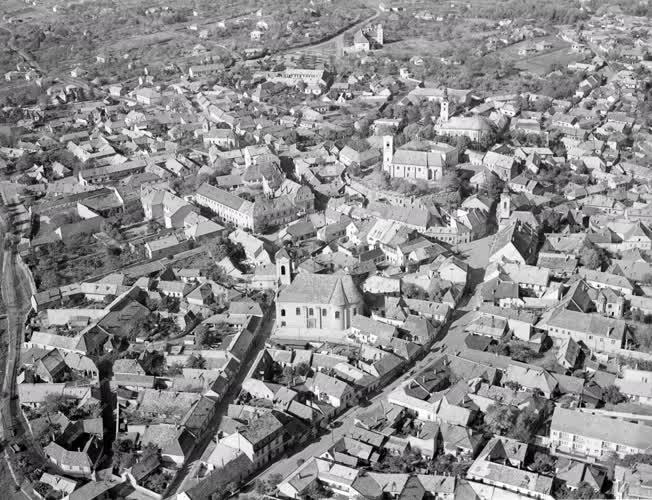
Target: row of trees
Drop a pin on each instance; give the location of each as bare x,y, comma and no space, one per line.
411,461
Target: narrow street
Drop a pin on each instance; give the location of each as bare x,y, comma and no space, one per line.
202,442
336,40
15,294
450,339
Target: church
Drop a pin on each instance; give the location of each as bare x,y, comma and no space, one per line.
419,160
308,301
366,39
476,128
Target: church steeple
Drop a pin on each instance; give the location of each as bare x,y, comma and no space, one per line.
284,268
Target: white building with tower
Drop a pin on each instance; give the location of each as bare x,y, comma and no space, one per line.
366,39
418,160
321,304
504,210
477,128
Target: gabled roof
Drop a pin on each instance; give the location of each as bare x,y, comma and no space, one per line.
321,289
637,436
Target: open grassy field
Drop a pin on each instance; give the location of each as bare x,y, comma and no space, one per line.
539,63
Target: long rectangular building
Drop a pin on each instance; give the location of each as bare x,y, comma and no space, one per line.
228,207
598,436
599,333
264,212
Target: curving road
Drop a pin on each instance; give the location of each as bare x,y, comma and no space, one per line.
337,39
203,441
15,294
449,340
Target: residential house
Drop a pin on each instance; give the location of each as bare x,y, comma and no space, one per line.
598,333
335,392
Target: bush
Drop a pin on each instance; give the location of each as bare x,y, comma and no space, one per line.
612,395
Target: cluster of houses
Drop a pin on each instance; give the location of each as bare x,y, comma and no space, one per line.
270,273
167,384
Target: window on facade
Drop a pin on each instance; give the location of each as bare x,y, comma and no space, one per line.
337,315
283,323
323,312
311,311
282,312
298,311
355,311
282,270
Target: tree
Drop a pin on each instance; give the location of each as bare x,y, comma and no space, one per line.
54,404
267,487
523,353
583,491
500,419
411,131
48,432
551,221
613,395
527,423
413,291
303,369
158,482
358,144
123,454
206,337
543,464
635,458
314,491
231,487
398,464
593,257
42,489
494,186
196,361
509,421
513,385
542,105
153,363
175,369
449,465
451,181
354,170
462,143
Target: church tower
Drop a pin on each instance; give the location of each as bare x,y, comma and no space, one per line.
388,151
444,113
283,267
505,208
380,35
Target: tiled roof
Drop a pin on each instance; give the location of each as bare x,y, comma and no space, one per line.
579,423
321,289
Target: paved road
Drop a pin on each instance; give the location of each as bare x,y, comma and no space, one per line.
337,40
450,339
15,294
205,440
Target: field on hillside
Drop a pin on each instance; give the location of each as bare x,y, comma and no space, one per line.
540,62
62,36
